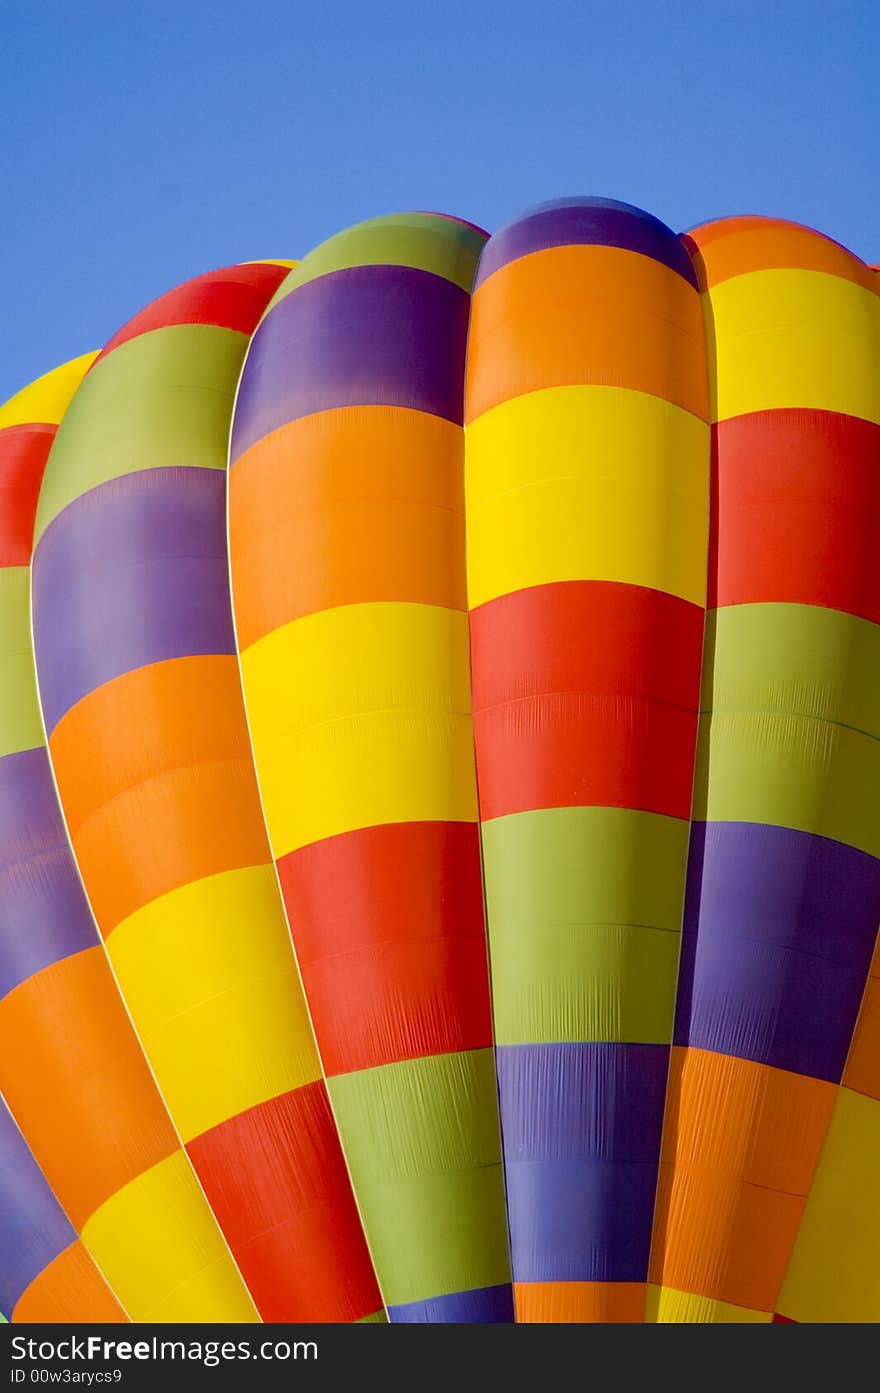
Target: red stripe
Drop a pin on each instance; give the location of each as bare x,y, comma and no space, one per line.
23,453
796,511
233,298
388,925
784,1320
277,1182
586,694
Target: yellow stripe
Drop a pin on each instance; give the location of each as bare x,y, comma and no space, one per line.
789,771
794,339
666,1306
587,483
834,1275
360,715
45,401
159,1247
209,976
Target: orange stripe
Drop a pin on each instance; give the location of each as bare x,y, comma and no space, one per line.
166,716
158,784
77,1083
735,246
572,1303
586,314
741,1141
862,1073
70,1291
368,499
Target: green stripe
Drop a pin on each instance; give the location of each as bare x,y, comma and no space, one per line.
159,400
377,1318
422,1142
792,714
794,660
421,240
20,724
584,912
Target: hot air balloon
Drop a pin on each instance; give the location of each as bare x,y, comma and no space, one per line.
440,865
72,1071
141,698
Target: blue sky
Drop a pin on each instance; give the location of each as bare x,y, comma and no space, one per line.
145,142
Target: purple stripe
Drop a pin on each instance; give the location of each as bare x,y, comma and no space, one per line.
484,1306
44,914
779,929
33,1227
132,573
600,222
581,1128
369,336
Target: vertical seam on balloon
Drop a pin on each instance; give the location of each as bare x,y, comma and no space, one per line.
273,857
109,960
464,427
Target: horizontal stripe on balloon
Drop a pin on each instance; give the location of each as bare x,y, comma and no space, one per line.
44,915
832,1276
24,450
582,1127
739,1150
789,770
791,339
735,246
585,694
421,1139
579,1303
794,660
307,1211
148,723
150,544
33,1226
361,715
372,335
46,400
588,221
666,1306
586,315
161,1215
233,298
584,908
777,923
393,960
69,1035
587,482
20,725
220,1014
161,401
433,242
485,1306
392,530
70,1290
790,485
862,1073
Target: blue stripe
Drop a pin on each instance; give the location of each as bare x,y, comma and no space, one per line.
586,222
779,930
133,572
33,1227
483,1306
581,1127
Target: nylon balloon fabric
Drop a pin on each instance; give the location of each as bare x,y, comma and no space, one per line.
142,701
587,514
72,1071
784,875
347,555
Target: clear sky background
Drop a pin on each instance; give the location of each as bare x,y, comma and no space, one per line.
145,141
